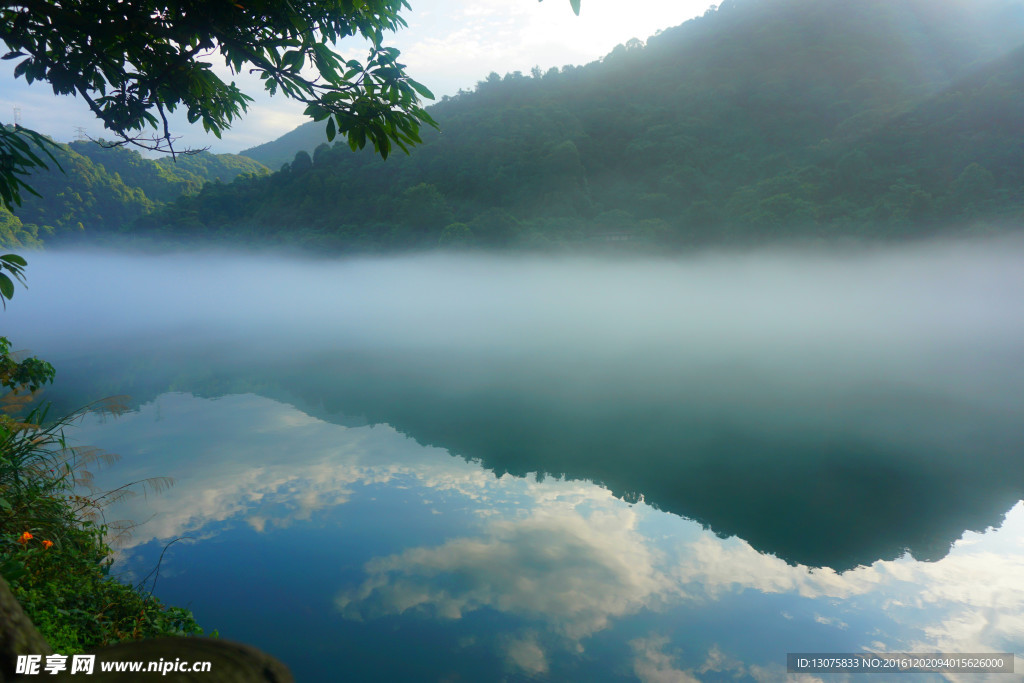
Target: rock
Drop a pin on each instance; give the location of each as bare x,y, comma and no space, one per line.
18,635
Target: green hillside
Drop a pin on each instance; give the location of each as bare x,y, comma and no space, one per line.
762,120
957,156
101,190
276,153
914,44
76,194
166,178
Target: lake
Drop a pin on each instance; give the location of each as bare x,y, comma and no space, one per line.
471,468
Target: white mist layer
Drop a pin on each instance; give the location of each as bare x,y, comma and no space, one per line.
941,314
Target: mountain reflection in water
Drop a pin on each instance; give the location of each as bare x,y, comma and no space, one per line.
572,467
357,541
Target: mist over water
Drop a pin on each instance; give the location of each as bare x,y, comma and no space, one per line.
575,467
945,315
786,396
894,294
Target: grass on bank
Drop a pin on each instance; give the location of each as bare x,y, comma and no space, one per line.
54,552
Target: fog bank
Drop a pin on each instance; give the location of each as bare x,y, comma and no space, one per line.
896,312
787,397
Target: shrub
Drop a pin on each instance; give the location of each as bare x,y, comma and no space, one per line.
53,552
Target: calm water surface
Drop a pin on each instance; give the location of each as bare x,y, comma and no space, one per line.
467,468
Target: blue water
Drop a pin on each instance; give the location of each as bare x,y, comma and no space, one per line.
480,468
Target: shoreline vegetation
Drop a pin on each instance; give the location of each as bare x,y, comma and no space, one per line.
55,546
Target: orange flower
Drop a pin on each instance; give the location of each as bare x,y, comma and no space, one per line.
24,538
47,545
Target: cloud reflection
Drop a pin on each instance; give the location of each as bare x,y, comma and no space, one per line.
781,396
652,665
525,653
247,458
573,569
565,558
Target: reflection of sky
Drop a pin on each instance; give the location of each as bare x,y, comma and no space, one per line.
544,577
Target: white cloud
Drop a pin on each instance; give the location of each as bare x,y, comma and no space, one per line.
492,35
525,653
652,665
831,621
720,567
571,569
982,595
243,473
568,556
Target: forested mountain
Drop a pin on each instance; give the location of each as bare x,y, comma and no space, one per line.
956,156
915,45
73,193
761,120
277,153
106,188
166,178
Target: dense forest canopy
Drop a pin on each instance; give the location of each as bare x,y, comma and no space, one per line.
761,120
106,188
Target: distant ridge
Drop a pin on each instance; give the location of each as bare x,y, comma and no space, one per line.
761,121
938,45
278,152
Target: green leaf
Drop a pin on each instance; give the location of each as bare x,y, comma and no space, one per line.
421,89
295,59
6,287
575,6
15,259
331,132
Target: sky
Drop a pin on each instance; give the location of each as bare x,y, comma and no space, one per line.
448,45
